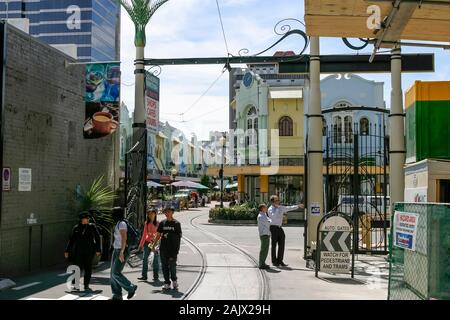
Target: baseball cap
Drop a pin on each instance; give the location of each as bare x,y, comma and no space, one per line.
84,214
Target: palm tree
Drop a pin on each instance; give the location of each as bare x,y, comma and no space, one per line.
140,12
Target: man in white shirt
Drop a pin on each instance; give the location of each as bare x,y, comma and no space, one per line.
276,213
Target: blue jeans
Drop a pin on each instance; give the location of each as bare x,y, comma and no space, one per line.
169,267
118,280
147,252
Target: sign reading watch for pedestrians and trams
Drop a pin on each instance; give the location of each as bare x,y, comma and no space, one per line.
335,245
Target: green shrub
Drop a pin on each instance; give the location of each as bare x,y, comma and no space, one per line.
235,213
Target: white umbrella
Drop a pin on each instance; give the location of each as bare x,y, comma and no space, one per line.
189,184
153,184
232,186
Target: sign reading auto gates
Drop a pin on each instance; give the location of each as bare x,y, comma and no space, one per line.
152,85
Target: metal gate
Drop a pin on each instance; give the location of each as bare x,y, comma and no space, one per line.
136,182
356,182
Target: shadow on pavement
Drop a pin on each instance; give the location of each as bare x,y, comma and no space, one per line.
343,280
272,270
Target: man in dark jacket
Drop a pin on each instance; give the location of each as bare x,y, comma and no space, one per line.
169,231
84,243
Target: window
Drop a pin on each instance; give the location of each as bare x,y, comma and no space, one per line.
252,127
337,129
364,126
348,123
285,125
324,127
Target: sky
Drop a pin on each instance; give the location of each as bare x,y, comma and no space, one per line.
191,28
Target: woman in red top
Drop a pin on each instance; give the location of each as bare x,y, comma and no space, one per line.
148,236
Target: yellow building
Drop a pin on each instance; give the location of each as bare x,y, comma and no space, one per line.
269,137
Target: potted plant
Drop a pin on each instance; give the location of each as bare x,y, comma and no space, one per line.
98,200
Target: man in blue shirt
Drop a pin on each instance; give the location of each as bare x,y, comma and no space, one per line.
276,213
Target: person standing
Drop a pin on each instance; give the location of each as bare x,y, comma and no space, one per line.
83,245
276,213
121,254
148,237
169,232
264,235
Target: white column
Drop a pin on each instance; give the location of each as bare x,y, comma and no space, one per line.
315,156
139,102
396,131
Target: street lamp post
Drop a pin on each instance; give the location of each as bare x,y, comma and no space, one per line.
174,173
223,141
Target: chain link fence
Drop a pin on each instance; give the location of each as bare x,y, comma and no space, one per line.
422,272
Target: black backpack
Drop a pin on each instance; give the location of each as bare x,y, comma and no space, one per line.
133,236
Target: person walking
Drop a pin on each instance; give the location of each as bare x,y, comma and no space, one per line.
83,245
264,235
169,232
276,213
121,254
148,237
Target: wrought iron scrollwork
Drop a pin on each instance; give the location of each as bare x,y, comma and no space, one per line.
155,70
365,42
135,181
284,30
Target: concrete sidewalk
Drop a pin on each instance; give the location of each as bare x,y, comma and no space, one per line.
228,273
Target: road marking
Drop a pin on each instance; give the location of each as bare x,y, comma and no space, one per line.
26,286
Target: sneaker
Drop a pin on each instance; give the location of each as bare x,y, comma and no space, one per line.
166,286
132,292
175,284
142,278
264,267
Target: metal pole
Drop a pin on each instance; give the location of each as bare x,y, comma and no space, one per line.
125,204
397,129
221,178
315,152
356,192
139,110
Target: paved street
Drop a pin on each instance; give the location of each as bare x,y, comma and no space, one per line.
218,262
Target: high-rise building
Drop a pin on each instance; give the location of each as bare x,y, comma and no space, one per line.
92,27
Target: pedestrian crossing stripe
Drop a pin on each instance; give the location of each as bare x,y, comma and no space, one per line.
77,297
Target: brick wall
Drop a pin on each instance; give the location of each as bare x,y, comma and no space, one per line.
44,117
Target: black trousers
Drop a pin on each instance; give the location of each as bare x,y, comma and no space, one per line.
84,262
278,238
169,266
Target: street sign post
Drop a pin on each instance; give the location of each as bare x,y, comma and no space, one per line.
335,252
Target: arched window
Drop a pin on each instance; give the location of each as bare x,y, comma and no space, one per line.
286,127
337,129
348,123
252,127
364,126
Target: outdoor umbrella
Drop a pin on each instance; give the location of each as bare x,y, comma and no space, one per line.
153,184
189,184
232,186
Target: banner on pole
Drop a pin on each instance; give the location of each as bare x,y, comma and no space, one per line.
102,100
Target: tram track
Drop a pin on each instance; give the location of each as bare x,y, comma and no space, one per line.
264,290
